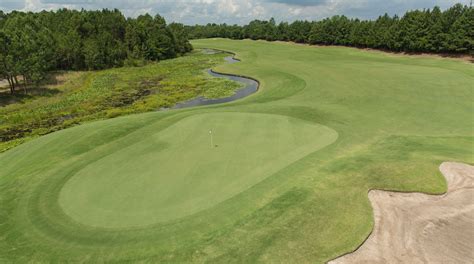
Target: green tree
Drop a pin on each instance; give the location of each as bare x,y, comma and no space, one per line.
417,31
180,38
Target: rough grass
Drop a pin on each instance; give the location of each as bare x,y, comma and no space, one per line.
75,97
397,119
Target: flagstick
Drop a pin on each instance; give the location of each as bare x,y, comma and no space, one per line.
210,133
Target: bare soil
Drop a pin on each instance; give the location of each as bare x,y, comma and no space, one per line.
420,228
3,83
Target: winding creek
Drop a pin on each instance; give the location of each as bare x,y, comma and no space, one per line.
250,87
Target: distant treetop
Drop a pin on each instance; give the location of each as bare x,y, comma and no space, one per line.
33,43
428,30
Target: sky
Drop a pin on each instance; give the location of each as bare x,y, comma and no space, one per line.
236,11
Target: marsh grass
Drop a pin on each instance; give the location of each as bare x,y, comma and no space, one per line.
70,98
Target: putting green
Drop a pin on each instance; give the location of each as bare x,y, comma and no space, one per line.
176,172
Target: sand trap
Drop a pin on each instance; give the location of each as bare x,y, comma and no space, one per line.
420,228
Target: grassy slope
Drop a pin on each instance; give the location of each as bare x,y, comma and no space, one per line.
397,118
85,96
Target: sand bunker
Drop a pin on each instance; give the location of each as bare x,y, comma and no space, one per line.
420,228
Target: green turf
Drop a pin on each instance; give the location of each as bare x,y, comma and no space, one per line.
177,172
131,189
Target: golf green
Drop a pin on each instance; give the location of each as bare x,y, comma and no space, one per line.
285,178
177,172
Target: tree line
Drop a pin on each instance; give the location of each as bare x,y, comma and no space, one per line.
31,44
428,30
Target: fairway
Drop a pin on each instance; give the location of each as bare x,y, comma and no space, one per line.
285,178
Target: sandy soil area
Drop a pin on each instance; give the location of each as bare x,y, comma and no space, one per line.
3,83
420,228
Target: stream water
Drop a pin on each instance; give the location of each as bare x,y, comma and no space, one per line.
250,87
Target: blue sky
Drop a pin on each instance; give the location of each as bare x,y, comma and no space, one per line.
236,11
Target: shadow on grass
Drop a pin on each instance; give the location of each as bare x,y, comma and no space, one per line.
43,89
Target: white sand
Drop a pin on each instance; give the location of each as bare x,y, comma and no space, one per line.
420,228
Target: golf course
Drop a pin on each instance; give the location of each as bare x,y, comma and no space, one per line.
281,175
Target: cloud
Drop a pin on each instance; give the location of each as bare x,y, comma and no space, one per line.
67,2
300,2
236,11
370,9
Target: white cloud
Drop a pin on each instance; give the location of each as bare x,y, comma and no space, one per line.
228,6
236,11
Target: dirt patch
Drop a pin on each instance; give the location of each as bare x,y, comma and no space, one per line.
420,228
3,83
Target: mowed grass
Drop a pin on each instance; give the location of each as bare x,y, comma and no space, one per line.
287,182
177,172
